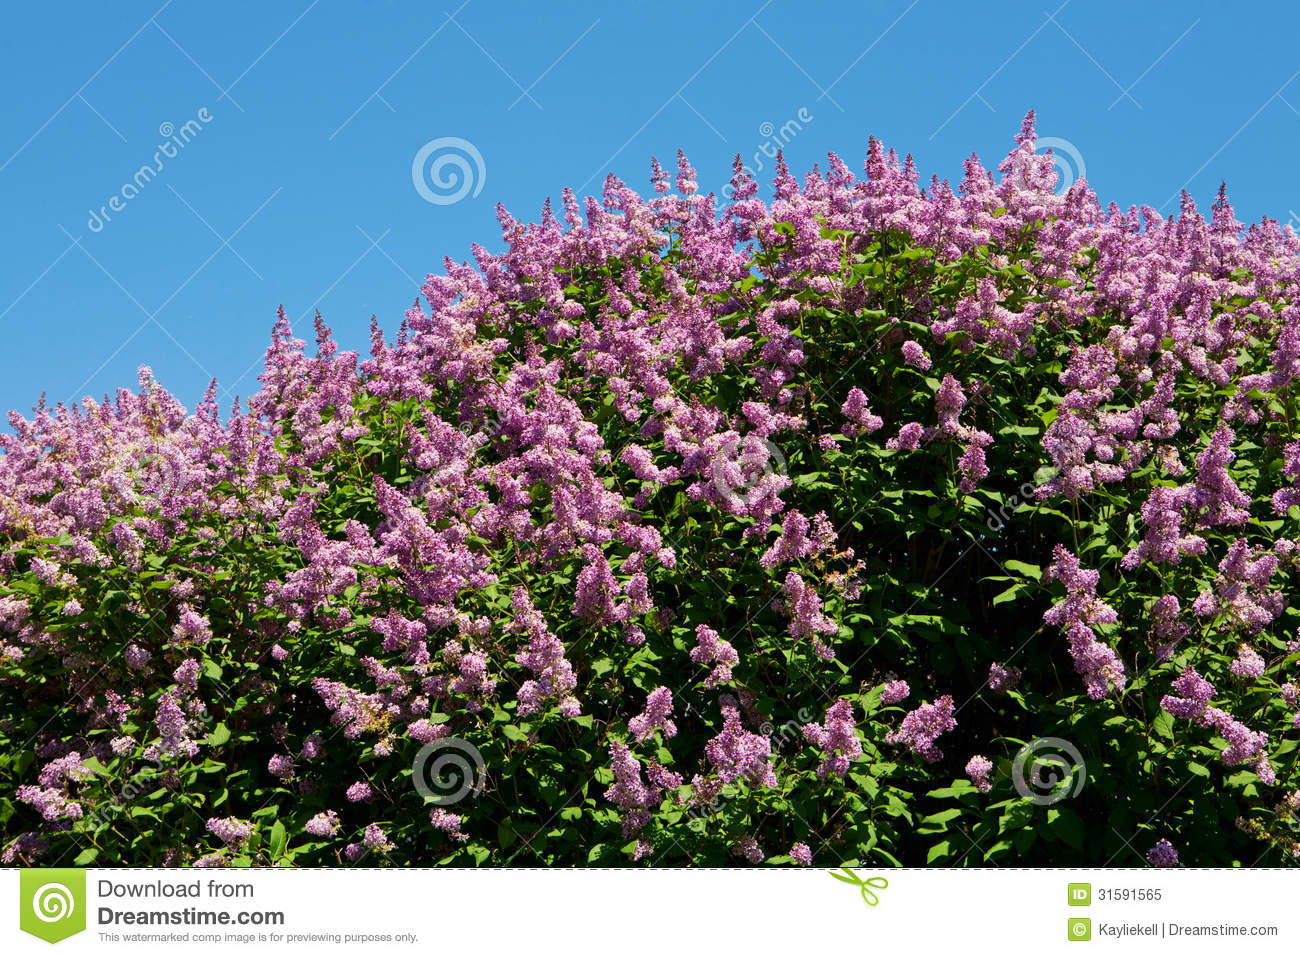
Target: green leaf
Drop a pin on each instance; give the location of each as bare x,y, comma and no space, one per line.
958,789
943,817
1067,825
1015,817
219,735
1012,593
1015,565
940,851
506,835
278,841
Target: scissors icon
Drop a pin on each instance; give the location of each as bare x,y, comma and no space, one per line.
863,884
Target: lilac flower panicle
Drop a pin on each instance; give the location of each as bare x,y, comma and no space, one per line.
313,747
1079,614
1247,664
281,765
449,823
923,725
978,769
375,839
360,791
1162,854
712,650
656,716
230,830
735,753
748,848
837,736
1002,678
894,692
324,824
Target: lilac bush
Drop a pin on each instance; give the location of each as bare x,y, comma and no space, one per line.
712,530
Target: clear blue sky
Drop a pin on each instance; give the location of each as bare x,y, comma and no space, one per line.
298,189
